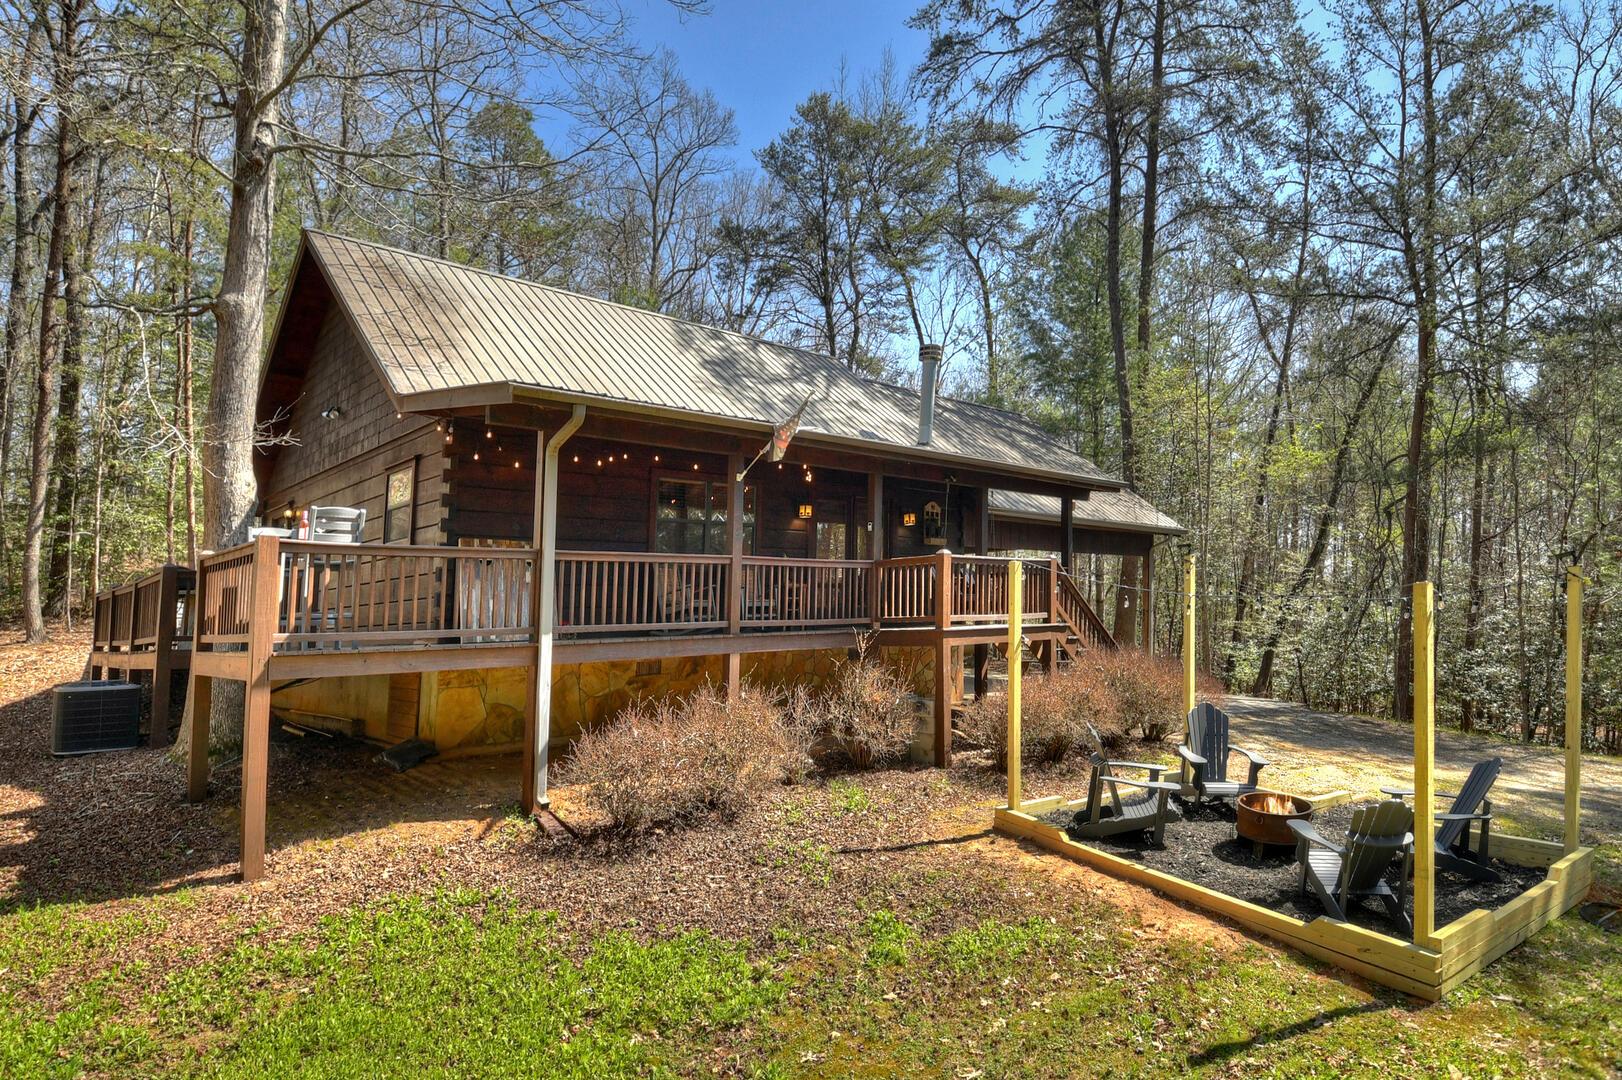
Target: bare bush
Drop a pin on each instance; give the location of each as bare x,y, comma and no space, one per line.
1058,715
1148,691
663,762
868,712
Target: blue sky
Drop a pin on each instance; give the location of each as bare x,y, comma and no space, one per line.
762,58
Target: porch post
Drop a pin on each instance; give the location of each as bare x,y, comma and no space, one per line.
1067,533
875,518
164,647
982,653
526,796
943,661
735,575
539,731
1146,600
267,580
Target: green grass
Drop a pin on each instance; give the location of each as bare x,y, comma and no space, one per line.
849,797
469,984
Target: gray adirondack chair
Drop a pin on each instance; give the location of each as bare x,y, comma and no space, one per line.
1342,874
1453,851
1144,809
1207,751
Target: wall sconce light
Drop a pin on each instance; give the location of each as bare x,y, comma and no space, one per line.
910,518
331,412
805,510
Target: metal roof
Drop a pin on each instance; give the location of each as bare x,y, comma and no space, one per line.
435,327
1122,510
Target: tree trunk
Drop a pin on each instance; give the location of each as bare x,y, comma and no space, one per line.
25,223
58,253
229,490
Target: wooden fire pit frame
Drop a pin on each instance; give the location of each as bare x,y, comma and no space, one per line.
1436,961
1458,950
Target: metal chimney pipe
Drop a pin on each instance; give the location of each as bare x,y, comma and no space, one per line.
929,357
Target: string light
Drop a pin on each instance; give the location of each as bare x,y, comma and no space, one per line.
475,455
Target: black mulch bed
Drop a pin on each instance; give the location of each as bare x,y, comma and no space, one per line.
1203,849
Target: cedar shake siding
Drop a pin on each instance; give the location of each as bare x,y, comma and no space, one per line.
345,460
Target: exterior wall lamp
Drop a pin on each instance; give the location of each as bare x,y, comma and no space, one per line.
805,510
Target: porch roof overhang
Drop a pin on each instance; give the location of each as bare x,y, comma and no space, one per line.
1115,511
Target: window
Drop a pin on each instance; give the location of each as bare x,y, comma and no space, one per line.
831,539
690,517
398,498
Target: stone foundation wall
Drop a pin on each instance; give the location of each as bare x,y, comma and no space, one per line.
485,707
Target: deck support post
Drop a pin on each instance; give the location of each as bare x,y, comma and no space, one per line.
1424,764
1015,618
1574,706
735,504
267,579
538,732
163,661
199,698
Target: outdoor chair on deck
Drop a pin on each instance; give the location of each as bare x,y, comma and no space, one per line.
1341,875
1207,751
1453,851
1145,809
337,524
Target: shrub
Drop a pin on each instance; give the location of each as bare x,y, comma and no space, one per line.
868,712
663,762
1055,714
1148,691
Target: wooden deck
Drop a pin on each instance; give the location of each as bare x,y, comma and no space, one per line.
275,610
147,625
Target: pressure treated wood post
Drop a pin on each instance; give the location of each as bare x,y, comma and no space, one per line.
1574,705
1424,764
1190,631
1015,796
262,612
1146,602
163,660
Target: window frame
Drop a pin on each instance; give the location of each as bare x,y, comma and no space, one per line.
710,484
409,465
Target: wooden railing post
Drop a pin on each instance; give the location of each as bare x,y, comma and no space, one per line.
164,649
943,590
262,616
875,522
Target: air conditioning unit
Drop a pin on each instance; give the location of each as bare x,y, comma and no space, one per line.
89,717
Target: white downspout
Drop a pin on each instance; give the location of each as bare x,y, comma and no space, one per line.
546,601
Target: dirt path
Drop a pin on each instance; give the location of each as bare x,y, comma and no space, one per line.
1317,751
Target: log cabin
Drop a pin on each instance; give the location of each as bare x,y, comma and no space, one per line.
567,509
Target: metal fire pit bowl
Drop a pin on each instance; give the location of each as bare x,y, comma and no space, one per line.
1261,826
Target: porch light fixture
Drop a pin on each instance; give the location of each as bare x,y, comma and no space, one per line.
910,518
331,412
805,510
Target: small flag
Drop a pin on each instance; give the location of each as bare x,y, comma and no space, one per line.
782,435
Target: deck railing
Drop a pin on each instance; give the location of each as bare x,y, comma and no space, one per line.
130,617
350,596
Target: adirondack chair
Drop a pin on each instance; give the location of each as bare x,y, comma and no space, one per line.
1453,850
1343,874
1207,751
1143,810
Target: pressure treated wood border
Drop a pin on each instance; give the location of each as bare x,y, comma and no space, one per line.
1456,952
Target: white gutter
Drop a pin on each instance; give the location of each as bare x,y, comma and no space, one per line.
546,601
